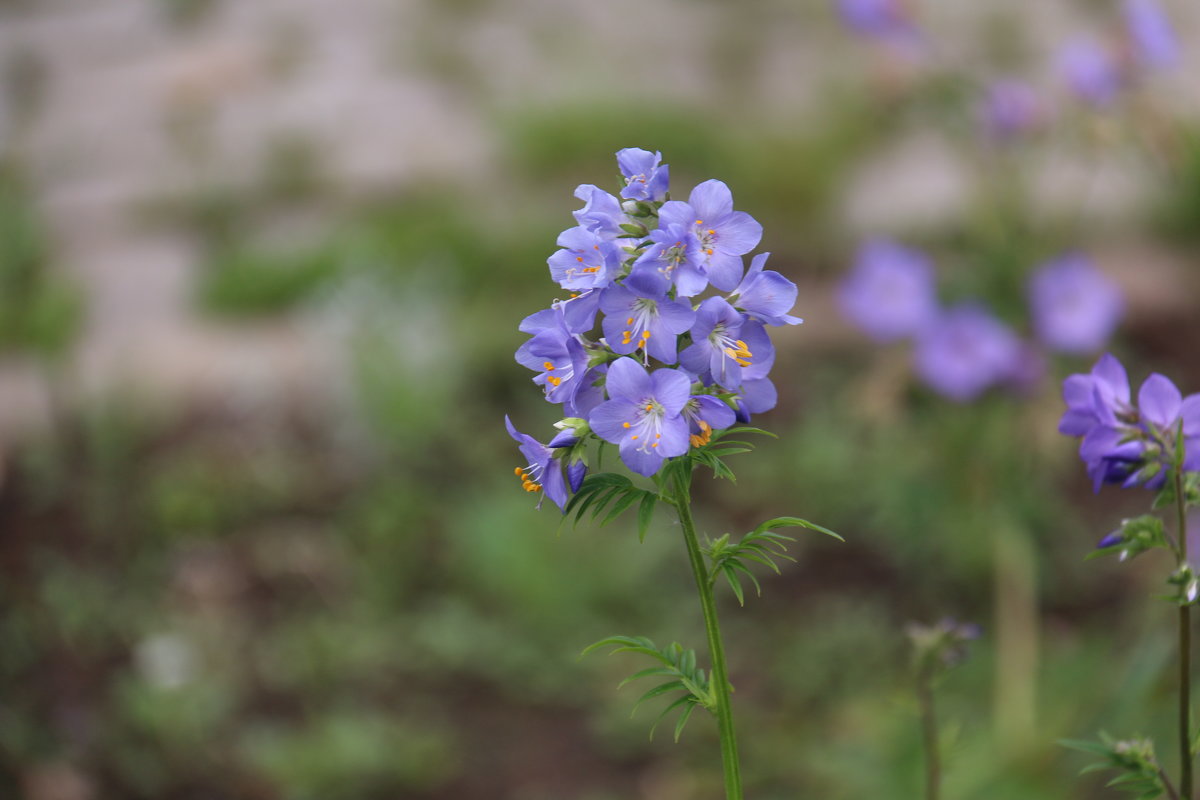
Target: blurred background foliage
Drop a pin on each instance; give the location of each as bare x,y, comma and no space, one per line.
260,535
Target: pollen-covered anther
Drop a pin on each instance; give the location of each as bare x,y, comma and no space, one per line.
553,380
625,425
548,365
703,437
741,354
625,336
711,232
579,259
629,321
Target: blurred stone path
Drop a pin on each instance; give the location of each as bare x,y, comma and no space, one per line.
136,107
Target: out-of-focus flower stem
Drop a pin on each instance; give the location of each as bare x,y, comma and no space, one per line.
720,675
929,731
1185,653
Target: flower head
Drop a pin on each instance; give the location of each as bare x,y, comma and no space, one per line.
889,293
674,259
765,295
1091,72
644,320
1126,443
601,213
645,177
543,471
1075,307
643,414
727,346
586,260
705,414
724,235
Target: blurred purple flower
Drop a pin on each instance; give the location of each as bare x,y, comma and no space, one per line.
1091,72
889,293
876,18
1011,109
1152,38
965,351
1075,307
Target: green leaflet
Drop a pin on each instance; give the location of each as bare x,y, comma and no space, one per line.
675,664
763,545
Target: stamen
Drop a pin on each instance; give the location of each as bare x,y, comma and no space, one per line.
629,322
548,365
518,471
579,259
711,232
553,380
625,425
699,222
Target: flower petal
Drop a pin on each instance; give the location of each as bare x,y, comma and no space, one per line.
628,379
711,201
739,234
671,389
1190,411
1159,401
608,419
643,462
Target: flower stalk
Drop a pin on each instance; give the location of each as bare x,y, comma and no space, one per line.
1185,651
720,673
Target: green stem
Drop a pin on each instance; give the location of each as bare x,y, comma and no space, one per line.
929,734
720,675
1185,653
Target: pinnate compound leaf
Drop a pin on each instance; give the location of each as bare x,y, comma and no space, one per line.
677,664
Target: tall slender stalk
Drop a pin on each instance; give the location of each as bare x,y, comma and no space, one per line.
1185,653
720,674
929,733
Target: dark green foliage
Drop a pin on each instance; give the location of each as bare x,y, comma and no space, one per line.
608,488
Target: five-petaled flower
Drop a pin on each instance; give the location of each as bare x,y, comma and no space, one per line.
643,414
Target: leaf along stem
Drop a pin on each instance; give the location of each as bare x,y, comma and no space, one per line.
720,675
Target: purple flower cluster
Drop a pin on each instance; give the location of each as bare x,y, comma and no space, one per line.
667,367
1126,443
962,350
